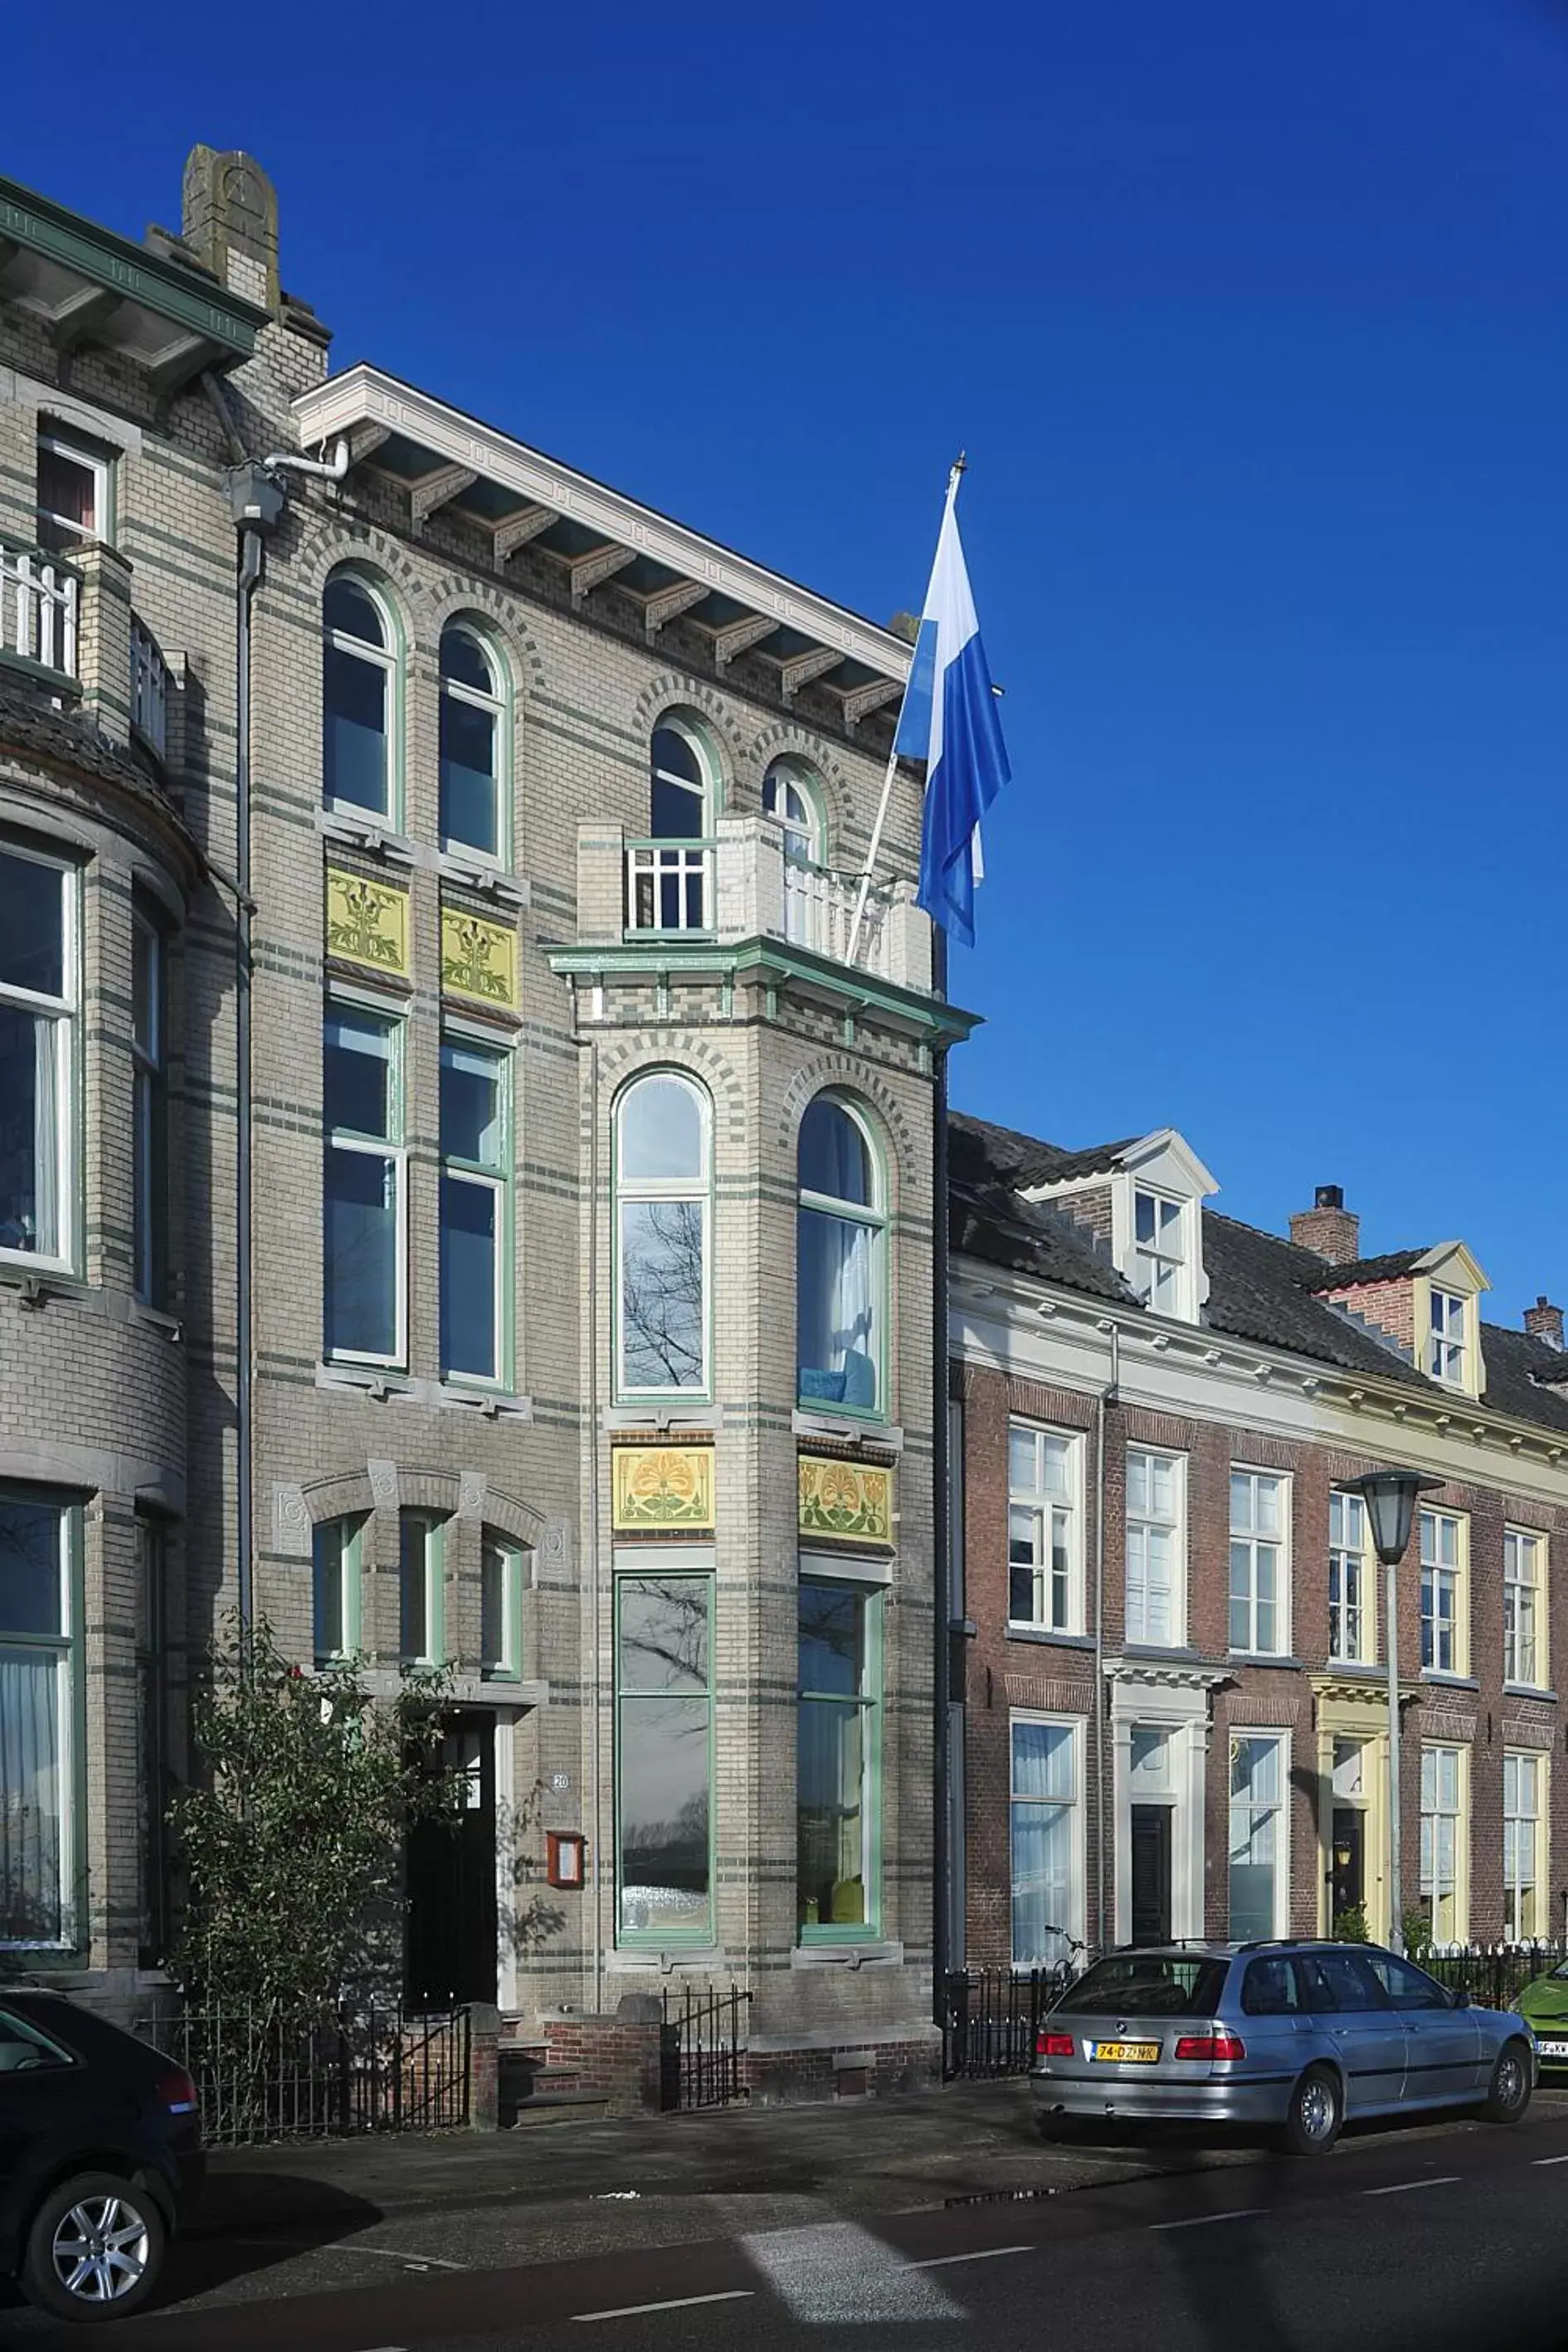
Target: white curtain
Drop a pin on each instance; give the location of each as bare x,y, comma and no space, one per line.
32,1890
837,1307
1042,1832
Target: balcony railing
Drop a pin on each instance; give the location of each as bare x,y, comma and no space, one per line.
149,692
740,884
669,885
39,599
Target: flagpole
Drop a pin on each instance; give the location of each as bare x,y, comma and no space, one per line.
955,475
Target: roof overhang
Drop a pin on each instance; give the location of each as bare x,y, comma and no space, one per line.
518,497
85,285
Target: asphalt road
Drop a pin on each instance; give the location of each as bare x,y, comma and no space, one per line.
1410,2241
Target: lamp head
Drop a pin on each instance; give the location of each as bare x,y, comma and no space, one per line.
1390,1499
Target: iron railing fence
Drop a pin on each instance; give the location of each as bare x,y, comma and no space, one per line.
990,2018
1494,1975
703,2047
261,2076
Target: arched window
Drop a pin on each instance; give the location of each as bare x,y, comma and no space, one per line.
663,1142
358,697
790,798
672,886
840,1262
473,714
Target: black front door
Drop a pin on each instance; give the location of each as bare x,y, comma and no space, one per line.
1151,1874
1347,1861
450,1949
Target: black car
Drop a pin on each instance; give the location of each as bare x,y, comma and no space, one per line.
100,2156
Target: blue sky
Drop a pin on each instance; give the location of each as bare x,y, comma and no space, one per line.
1253,322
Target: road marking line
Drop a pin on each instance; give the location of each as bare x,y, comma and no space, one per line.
1202,2221
676,2303
835,2273
986,2254
1549,2160
1400,2187
387,2254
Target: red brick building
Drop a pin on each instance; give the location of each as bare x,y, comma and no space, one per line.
1171,1678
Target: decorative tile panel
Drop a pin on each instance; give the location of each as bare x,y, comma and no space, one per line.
659,1486
845,1502
479,959
367,922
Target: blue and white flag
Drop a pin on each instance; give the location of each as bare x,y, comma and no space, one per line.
951,721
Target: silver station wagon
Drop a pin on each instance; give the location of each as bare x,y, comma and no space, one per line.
1294,2036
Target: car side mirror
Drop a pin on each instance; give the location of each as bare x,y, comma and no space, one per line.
1460,1998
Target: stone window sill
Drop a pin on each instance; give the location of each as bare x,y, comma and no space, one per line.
1044,1634
1529,1690
846,1956
1440,1681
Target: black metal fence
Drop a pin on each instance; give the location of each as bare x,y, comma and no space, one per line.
259,2076
703,2047
1494,1975
990,2018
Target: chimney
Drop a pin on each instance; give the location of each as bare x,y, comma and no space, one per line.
1328,1226
1544,1321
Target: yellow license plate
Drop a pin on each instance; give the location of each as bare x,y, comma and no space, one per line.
1124,2053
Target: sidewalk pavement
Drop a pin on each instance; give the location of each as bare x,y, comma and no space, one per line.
973,2140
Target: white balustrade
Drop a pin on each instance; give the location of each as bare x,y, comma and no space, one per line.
38,606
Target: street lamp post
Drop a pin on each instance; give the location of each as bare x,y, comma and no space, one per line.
1390,1499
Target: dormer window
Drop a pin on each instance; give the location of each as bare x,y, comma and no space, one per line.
1445,1339
1159,1253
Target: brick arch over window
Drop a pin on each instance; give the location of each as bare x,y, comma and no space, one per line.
674,692
345,1496
787,741
328,546
455,597
844,1074
682,1049
510,1516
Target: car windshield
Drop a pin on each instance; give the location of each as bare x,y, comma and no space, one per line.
1153,1984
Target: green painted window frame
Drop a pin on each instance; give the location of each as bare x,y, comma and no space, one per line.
879,1219
150,1116
623,1194
499,1176
502,704
508,1667
393,1146
349,1532
66,1648
434,1530
696,1937
870,1700
395,661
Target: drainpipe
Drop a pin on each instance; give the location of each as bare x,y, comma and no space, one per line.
1107,1396
592,1450
331,469
252,560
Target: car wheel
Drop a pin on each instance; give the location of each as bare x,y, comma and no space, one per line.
1508,2094
1316,2111
95,2248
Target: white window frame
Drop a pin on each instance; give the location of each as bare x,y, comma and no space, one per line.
350,1531
66,1648
1432,1753
64,1011
639,1192
508,1667
1146,1261
497,703
1073,1926
1038,1499
1448,1336
1458,1569
495,1179
874,1216
1252,1537
394,1148
388,658
1526,1546
1515,1930
1280,1809
1344,1558
1141,1523
62,443
433,1530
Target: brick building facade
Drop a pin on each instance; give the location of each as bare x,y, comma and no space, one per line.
580,1337
1175,1675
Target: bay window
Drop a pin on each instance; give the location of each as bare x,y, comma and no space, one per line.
840,1262
839,1762
1045,1839
39,1057
364,1166
664,1759
476,1210
663,1149
38,1858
